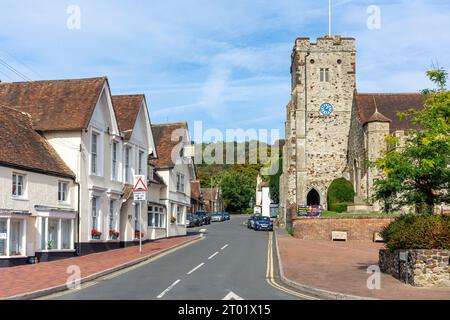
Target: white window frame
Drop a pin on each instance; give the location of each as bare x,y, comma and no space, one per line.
180,215
115,161
8,237
66,197
15,177
112,221
156,217
43,221
141,163
127,159
98,216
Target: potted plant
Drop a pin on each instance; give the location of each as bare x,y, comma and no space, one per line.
96,235
114,235
50,245
173,220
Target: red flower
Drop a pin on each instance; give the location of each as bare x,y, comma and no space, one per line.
95,233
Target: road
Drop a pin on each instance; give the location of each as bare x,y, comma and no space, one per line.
231,259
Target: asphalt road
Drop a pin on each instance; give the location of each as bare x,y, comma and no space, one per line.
231,258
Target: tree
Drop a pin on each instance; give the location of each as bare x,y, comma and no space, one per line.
274,181
237,190
417,172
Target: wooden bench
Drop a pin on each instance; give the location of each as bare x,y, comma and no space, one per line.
339,236
377,237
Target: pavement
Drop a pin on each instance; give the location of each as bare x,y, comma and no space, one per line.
30,281
340,269
232,262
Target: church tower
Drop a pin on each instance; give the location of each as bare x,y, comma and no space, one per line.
319,116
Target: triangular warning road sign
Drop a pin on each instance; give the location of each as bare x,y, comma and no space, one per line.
140,186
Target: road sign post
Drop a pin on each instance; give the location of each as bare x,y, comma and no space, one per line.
140,194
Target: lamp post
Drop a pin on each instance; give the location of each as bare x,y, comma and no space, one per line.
251,203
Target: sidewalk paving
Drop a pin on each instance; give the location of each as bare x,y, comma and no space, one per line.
341,267
24,280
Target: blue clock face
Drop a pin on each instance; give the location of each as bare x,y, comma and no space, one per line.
326,109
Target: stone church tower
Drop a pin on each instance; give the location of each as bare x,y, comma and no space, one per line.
318,117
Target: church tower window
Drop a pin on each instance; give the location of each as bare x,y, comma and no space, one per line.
324,75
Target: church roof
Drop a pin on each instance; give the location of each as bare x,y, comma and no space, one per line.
378,117
384,107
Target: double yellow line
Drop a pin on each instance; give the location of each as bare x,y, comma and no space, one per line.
270,278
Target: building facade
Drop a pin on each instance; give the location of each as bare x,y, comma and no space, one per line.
175,166
332,130
38,195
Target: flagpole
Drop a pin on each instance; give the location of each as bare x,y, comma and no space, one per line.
329,18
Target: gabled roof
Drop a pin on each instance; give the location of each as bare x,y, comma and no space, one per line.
54,105
195,189
127,109
388,105
162,134
23,148
378,117
210,194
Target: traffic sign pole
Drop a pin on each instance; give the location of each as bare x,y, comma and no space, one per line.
140,227
140,194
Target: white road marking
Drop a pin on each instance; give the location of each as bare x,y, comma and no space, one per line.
196,268
169,288
224,247
232,296
215,254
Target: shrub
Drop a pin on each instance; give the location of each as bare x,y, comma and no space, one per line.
418,232
340,195
339,207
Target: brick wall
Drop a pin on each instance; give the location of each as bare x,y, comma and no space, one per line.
358,228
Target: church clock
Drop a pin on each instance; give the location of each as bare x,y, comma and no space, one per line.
326,109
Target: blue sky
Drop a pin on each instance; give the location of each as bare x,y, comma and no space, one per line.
223,62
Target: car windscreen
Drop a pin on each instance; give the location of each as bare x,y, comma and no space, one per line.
263,219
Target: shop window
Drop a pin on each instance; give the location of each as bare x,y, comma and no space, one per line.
16,238
56,234
3,237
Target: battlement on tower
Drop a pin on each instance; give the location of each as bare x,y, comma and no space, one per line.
326,43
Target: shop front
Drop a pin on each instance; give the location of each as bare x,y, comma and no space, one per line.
13,237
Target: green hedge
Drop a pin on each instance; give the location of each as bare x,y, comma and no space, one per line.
418,232
340,195
339,207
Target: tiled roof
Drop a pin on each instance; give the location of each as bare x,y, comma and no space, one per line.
22,147
378,117
209,194
127,109
127,191
388,105
55,105
162,135
195,189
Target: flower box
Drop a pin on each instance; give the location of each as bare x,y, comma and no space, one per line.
138,235
114,235
96,235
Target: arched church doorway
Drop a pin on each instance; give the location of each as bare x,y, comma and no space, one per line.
313,198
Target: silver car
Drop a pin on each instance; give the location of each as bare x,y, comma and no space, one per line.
217,217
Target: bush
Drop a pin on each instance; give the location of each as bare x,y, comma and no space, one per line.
340,195
418,232
339,207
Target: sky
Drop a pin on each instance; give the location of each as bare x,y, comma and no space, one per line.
225,63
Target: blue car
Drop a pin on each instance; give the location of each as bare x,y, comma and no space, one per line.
226,216
263,223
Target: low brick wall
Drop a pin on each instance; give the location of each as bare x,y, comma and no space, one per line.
420,268
358,228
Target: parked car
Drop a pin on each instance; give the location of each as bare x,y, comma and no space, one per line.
263,223
197,220
204,216
217,217
226,216
190,221
251,222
